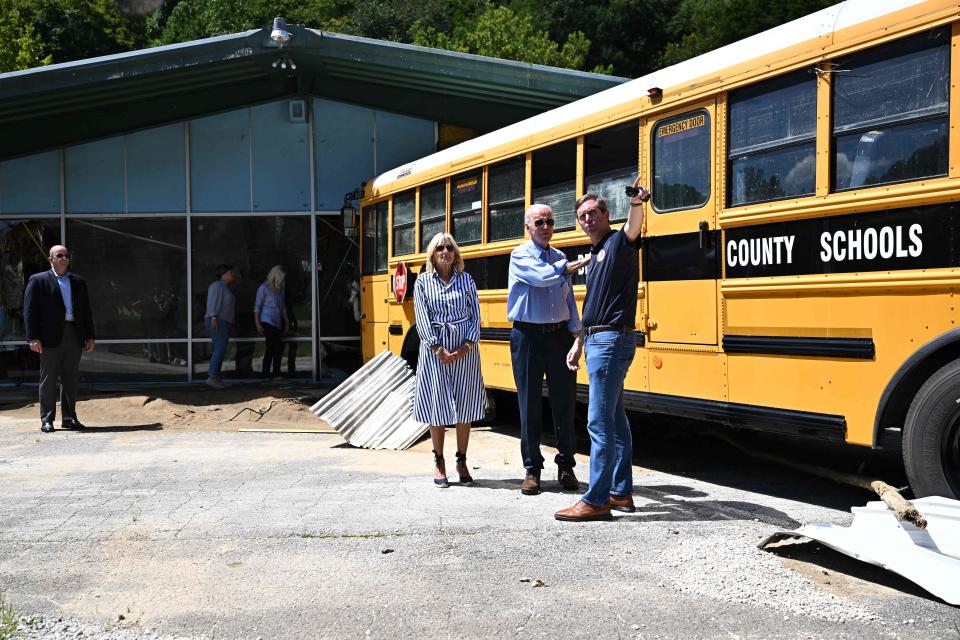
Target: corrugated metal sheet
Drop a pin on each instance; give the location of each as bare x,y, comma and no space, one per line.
373,408
929,557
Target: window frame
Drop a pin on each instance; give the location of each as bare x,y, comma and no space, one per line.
520,160
403,225
576,166
711,172
424,241
379,229
758,150
467,213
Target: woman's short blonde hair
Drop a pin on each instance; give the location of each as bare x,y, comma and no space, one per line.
436,241
276,277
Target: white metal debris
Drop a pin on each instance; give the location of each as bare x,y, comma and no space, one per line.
373,408
929,557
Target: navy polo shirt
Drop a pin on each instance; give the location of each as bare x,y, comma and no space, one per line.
612,280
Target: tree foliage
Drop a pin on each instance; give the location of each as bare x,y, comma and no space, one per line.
500,32
624,37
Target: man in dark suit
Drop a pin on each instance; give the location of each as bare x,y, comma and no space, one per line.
59,320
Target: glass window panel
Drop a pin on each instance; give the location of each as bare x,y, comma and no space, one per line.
555,181
220,162
375,238
506,193
890,113
773,113
94,177
893,154
430,229
280,158
467,228
136,269
404,208
24,246
18,364
781,173
339,358
403,240
338,300
433,211
244,359
135,362
908,78
157,170
404,217
30,184
611,158
252,246
681,162
465,192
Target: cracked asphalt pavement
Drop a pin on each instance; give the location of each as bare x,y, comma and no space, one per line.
223,534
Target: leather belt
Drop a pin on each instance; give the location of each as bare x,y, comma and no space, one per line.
599,328
543,328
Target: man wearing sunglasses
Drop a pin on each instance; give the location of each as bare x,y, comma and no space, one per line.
59,320
541,305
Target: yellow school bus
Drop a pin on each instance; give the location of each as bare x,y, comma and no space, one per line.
800,265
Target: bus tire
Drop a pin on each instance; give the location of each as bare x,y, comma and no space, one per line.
931,435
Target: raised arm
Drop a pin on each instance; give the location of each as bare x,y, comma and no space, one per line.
634,223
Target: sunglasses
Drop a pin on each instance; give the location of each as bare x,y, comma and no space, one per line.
543,221
444,247
62,256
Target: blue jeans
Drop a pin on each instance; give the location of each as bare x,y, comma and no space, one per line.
609,355
535,353
220,338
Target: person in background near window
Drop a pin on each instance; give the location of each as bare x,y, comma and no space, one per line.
220,316
270,316
59,322
609,315
449,385
546,322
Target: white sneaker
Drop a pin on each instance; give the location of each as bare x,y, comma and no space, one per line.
216,383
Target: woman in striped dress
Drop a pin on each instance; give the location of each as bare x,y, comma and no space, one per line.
449,385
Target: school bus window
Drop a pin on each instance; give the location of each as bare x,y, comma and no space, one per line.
506,195
466,207
555,181
681,162
404,217
433,211
890,112
611,158
374,240
773,140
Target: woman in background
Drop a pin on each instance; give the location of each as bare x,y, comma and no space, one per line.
270,315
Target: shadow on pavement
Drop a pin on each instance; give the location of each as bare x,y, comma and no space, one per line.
123,428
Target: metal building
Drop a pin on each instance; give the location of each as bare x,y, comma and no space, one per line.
155,166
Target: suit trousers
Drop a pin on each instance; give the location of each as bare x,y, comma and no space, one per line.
63,362
535,353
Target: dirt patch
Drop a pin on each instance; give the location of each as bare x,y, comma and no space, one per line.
189,408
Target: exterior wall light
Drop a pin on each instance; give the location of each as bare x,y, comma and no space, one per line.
280,35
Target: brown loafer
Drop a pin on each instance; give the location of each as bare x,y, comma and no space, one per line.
622,503
531,483
567,479
584,512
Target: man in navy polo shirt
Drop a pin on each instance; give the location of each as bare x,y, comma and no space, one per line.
609,316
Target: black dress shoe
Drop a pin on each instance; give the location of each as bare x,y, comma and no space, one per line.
74,425
46,427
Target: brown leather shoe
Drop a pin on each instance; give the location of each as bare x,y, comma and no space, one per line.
567,479
622,503
531,483
584,512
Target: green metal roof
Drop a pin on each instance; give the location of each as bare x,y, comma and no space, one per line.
67,103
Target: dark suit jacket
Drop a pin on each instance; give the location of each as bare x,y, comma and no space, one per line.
44,311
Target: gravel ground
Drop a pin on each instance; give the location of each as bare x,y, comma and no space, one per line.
190,535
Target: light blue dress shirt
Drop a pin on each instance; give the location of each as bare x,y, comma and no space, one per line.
538,291
67,292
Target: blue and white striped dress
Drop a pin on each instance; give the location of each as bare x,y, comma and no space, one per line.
447,314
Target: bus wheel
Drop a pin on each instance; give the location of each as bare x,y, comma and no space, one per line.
931,436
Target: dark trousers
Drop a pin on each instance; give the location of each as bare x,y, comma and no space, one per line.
61,362
273,353
534,353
